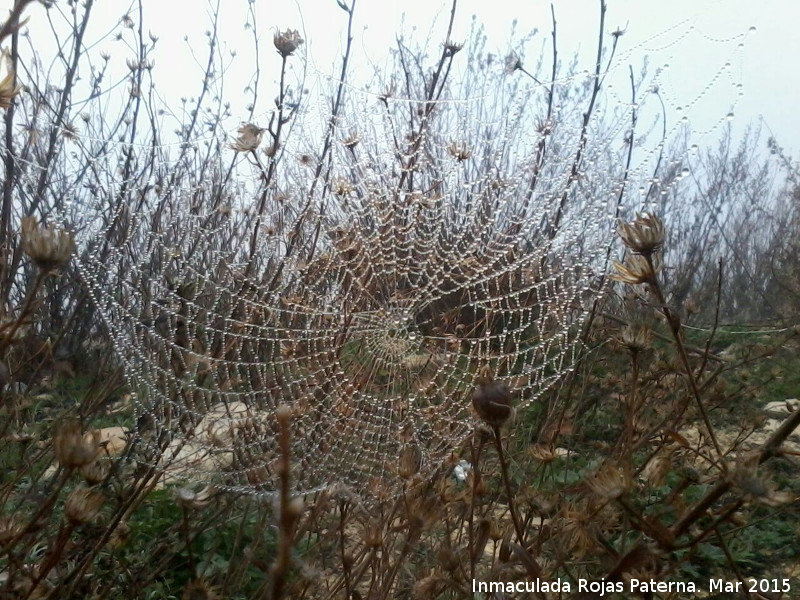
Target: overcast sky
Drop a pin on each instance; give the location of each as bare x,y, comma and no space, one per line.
710,46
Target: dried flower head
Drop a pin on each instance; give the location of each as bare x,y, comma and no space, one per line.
373,533
452,48
48,247
492,400
286,42
637,337
120,536
351,141
644,235
513,63
69,131
657,469
576,526
341,187
9,88
542,453
410,461
83,505
73,450
272,150
459,150
95,472
249,138
610,482
637,269
306,160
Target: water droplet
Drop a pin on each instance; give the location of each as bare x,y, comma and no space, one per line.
752,29
694,148
685,172
729,116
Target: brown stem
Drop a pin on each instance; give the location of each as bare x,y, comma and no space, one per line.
675,327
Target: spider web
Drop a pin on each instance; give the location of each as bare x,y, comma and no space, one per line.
365,291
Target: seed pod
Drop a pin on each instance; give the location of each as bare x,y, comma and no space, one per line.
286,42
373,534
409,461
48,247
83,505
95,472
492,400
72,449
120,536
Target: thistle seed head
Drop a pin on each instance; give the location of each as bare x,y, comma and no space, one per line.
83,505
410,461
644,235
637,269
74,450
610,482
249,138
286,42
637,338
48,247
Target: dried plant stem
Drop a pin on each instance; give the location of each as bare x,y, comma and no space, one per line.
767,451
715,325
342,552
288,516
631,408
476,473
533,566
674,324
731,561
51,558
408,544
188,541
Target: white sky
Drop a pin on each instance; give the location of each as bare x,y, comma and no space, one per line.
682,33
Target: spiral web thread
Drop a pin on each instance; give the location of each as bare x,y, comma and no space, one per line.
370,303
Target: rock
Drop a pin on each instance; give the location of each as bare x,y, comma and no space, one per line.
113,439
782,408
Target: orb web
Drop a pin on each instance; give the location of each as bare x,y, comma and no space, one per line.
365,289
